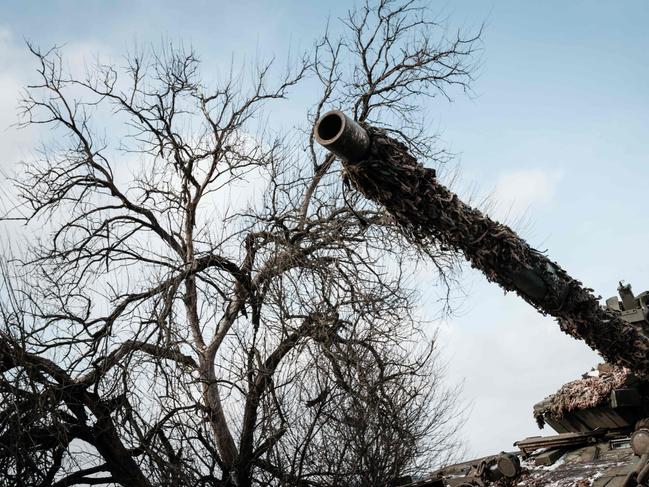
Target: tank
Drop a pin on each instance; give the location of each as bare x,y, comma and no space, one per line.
602,436
601,431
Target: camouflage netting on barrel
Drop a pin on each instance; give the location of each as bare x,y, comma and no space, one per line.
429,214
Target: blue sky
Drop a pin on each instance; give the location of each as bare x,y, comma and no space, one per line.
555,131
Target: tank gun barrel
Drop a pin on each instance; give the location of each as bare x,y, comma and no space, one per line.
430,215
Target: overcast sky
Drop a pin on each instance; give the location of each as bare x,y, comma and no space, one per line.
556,131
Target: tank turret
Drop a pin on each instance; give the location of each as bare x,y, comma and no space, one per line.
607,397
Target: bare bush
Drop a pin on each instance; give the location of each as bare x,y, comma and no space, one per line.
158,335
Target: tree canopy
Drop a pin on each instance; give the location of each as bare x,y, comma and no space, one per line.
157,333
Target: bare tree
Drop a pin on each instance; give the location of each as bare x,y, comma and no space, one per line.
157,335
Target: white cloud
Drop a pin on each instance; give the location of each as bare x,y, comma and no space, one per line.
9,53
17,70
12,80
516,192
78,56
15,144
